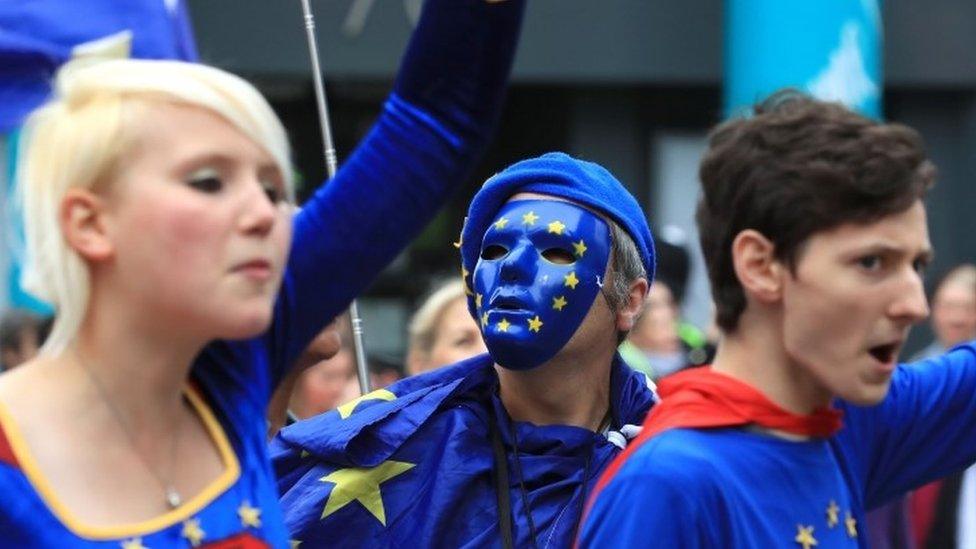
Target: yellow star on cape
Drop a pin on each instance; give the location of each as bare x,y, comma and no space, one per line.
579,248
304,454
500,224
851,524
804,536
362,485
571,280
556,227
503,325
192,532
294,543
134,543
484,320
535,324
346,410
529,218
559,302
477,300
250,516
458,243
832,513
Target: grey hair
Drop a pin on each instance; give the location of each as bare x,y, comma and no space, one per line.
625,267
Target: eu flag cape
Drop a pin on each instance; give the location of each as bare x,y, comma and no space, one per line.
412,465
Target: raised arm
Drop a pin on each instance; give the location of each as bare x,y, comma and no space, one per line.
444,105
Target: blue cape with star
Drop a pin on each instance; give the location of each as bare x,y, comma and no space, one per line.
412,464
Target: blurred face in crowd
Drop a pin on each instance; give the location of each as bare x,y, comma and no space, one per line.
850,301
456,338
330,365
954,313
656,330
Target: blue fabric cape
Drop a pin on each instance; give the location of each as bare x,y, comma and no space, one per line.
432,431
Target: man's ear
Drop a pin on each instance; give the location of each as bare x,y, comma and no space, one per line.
83,224
627,315
759,271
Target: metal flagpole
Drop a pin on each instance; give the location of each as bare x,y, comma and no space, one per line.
331,164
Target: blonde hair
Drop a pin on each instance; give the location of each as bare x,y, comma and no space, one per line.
79,138
423,325
962,275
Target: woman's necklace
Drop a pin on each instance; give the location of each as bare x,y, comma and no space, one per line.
171,495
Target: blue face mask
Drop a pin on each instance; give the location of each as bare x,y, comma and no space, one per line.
542,265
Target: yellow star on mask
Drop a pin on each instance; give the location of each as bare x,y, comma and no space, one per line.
535,324
484,320
503,325
250,516
804,536
556,227
529,218
362,485
851,524
346,410
832,513
192,532
135,543
500,224
579,248
571,280
559,302
477,301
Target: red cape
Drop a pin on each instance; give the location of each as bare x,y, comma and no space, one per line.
703,398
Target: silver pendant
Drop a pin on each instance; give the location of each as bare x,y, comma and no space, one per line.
173,498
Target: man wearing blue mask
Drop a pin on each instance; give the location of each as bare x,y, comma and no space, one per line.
501,449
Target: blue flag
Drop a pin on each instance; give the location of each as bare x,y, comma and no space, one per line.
36,37
413,465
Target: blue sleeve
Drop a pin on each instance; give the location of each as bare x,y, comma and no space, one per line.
922,431
432,128
657,499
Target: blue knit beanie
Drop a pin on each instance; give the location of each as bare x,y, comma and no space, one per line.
560,175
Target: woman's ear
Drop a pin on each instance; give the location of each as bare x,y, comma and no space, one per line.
627,315
83,224
756,266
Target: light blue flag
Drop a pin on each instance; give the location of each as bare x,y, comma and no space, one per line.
828,48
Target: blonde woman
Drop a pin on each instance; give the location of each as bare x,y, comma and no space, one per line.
442,331
157,202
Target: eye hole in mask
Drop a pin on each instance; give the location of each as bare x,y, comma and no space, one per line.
493,252
559,256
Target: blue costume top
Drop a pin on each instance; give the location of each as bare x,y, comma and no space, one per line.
412,465
740,488
443,106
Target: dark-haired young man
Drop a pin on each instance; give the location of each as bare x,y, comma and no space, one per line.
813,228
